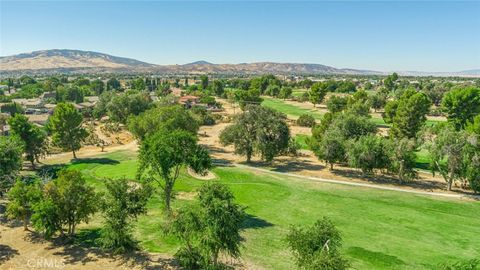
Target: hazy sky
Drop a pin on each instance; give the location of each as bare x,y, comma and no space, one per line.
381,35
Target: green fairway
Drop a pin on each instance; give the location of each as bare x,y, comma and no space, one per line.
381,229
301,139
289,109
295,111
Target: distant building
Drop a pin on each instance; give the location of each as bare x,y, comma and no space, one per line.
29,103
39,119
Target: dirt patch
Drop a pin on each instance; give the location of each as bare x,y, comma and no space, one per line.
207,176
21,250
189,196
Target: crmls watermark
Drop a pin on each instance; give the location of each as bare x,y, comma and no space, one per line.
45,263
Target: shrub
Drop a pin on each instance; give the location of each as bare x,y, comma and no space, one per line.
306,120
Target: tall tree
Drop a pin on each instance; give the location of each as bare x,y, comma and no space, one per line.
446,149
113,84
317,93
461,105
162,118
258,130
97,86
67,201
21,197
368,153
208,229
164,153
218,88
66,127
120,107
410,114
204,81
223,219
11,149
123,203
34,139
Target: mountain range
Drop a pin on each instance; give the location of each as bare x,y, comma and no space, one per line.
81,62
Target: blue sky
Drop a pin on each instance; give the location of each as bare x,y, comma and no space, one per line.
381,35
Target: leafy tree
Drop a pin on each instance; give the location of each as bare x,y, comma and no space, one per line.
319,129
187,225
223,219
113,84
351,126
164,153
122,106
346,87
305,120
368,153
410,114
378,101
139,84
66,127
162,118
204,81
390,111
21,197
461,105
34,139
389,82
11,149
73,94
100,109
474,126
209,228
123,203
317,247
247,97
258,130
446,149
218,88
285,92
12,108
317,93
337,103
24,80
402,158
97,86
81,81
330,148
67,201
273,90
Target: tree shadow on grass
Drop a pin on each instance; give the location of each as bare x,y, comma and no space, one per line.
425,184
103,161
254,222
379,259
6,253
286,166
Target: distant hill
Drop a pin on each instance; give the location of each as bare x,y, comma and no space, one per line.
67,60
76,61
81,62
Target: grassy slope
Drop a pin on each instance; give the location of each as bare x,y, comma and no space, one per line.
381,229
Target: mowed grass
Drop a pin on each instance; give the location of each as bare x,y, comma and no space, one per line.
381,229
295,111
289,109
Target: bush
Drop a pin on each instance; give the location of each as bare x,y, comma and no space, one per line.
306,120
317,247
